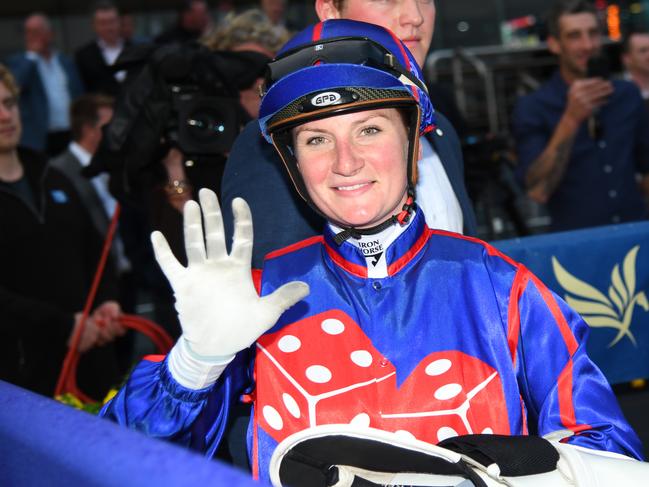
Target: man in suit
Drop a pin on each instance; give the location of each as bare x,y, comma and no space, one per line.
95,59
89,113
48,81
280,218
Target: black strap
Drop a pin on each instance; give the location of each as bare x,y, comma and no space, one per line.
402,218
515,455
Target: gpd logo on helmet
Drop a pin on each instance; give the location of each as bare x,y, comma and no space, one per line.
326,99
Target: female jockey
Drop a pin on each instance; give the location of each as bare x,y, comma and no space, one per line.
381,323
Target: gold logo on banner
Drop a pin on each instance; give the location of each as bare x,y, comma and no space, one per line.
599,310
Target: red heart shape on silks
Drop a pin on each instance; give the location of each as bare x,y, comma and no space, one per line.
325,370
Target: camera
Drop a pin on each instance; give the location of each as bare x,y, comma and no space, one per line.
176,95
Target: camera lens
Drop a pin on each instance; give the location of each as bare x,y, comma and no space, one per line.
205,124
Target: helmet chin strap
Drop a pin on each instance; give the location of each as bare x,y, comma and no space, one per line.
400,218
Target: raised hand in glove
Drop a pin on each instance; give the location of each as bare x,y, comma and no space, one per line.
218,306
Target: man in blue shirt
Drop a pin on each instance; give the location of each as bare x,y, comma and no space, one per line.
48,81
582,140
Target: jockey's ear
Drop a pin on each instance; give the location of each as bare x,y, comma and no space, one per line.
327,10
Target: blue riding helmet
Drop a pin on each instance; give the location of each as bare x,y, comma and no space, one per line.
343,66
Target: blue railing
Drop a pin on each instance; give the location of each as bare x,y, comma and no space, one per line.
44,443
604,272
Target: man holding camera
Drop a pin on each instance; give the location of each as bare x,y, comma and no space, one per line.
582,138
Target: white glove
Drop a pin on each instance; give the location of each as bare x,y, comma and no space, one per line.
218,306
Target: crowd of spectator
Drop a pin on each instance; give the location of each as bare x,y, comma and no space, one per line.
582,144
53,113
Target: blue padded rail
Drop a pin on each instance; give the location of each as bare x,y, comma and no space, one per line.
43,442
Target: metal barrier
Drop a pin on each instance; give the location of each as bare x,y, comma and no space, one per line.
43,442
486,80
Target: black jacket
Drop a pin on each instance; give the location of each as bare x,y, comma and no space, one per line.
48,255
97,76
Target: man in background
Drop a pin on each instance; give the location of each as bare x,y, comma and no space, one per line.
49,251
89,113
48,81
635,57
194,20
275,11
582,139
95,59
257,40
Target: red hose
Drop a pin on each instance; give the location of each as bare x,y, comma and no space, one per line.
67,381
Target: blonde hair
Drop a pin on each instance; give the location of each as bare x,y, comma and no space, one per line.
249,26
8,80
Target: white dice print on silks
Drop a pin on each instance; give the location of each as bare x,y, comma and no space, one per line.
325,370
448,394
304,378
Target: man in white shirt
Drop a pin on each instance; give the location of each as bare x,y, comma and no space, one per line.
96,58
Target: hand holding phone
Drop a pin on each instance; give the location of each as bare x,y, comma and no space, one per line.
598,67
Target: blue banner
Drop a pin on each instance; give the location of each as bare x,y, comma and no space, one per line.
603,273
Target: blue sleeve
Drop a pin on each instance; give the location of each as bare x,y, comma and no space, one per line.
23,70
530,133
563,389
256,173
153,403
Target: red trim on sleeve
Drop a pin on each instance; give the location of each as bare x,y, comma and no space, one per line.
400,263
154,358
577,429
256,279
317,32
564,391
513,312
355,269
564,382
293,247
550,302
